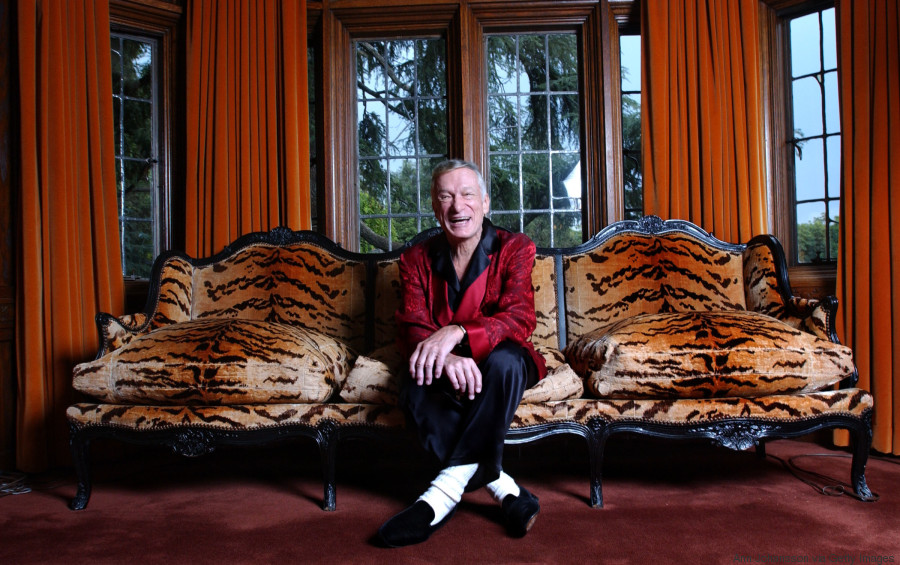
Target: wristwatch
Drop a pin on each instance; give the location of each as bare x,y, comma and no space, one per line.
465,336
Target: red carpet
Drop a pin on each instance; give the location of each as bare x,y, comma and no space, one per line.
666,502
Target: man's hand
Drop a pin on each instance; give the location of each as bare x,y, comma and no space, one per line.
464,374
432,358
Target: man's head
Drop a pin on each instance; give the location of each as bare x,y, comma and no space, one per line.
459,199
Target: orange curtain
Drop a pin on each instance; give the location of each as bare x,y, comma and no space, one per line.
247,120
868,282
702,115
69,265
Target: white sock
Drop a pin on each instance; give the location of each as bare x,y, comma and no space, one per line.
447,488
502,487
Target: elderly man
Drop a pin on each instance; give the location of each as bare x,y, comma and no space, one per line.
467,314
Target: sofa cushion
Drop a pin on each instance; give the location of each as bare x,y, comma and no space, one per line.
375,379
219,361
705,354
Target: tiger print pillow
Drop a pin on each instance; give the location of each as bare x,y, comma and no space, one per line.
703,355
219,361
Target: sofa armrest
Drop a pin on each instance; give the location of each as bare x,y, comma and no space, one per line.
814,316
768,291
168,301
116,332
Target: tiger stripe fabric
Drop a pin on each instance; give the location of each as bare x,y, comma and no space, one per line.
775,408
633,274
706,354
219,361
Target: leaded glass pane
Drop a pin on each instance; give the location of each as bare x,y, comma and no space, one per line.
811,232
808,166
567,229
404,189
505,192
535,184
805,58
566,181
503,122
807,107
833,166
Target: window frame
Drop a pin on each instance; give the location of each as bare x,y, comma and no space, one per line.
463,25
160,21
813,280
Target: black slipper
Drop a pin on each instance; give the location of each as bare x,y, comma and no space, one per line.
411,526
520,512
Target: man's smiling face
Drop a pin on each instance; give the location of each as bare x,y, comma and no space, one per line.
459,205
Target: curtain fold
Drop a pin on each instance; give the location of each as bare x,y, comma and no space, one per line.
702,115
247,120
868,283
69,263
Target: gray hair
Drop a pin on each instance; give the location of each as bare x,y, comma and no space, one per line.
453,164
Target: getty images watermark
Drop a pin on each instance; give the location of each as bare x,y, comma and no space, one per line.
829,558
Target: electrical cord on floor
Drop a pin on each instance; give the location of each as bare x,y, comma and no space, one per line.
826,485
12,483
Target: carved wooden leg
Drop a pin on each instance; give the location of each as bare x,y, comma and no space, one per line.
761,449
80,445
597,436
862,441
327,440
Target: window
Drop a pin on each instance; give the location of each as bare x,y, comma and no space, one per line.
816,136
313,149
630,58
135,117
142,40
513,88
533,105
402,135
534,142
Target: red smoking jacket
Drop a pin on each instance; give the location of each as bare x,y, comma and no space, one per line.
506,311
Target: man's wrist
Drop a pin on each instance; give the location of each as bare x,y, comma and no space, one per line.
465,335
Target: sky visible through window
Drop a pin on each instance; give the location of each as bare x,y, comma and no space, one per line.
808,106
816,135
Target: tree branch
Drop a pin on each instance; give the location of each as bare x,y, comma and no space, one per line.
388,68
379,241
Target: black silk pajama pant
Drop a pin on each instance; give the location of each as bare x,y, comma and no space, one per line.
460,431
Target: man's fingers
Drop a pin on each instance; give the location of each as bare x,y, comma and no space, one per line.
470,383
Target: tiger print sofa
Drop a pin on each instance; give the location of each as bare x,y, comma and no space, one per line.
651,327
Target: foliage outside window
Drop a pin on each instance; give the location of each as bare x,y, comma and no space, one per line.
534,125
402,135
816,136
630,57
134,78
